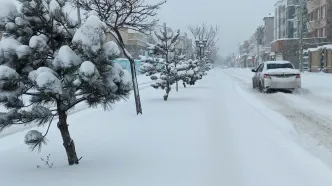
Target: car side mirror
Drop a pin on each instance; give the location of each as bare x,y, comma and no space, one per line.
253,70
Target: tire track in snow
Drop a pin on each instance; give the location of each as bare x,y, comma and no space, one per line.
312,122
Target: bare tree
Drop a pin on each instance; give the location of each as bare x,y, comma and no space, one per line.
211,34
125,14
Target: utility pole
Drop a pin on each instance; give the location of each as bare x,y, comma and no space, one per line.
301,38
257,60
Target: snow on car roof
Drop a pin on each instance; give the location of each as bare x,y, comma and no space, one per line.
277,62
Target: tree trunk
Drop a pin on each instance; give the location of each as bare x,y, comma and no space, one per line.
135,84
168,89
184,85
165,97
176,82
177,86
68,143
119,40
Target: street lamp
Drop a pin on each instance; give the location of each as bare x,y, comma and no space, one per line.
200,44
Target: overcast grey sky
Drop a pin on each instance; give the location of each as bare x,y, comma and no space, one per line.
238,19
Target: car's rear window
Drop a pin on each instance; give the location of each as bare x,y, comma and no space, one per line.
279,65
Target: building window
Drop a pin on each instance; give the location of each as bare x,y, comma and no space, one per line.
323,12
316,16
323,32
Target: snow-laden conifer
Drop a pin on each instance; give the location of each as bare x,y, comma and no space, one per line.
47,66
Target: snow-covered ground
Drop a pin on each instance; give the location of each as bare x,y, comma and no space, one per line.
309,109
215,133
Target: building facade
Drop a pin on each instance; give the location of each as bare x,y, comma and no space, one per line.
318,15
268,36
285,19
134,41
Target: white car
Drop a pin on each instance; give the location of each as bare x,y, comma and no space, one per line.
276,75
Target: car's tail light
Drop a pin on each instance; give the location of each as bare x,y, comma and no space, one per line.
298,75
267,76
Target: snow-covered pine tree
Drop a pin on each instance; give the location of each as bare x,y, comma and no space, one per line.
41,77
192,72
167,40
207,65
137,15
149,65
182,68
177,57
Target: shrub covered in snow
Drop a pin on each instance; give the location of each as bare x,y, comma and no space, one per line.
190,72
166,44
46,59
151,65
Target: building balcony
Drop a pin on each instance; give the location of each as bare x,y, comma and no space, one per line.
313,25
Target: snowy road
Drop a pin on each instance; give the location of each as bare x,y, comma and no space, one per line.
212,134
260,144
309,109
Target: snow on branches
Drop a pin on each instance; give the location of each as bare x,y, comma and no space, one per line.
192,73
167,41
47,66
151,65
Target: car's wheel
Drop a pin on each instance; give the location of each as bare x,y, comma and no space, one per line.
260,87
266,90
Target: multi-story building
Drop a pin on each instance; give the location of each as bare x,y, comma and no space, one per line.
268,30
134,41
268,37
319,14
285,19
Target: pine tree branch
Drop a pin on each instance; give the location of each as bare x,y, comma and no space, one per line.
49,125
31,94
75,103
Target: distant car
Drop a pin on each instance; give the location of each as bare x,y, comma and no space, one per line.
276,75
